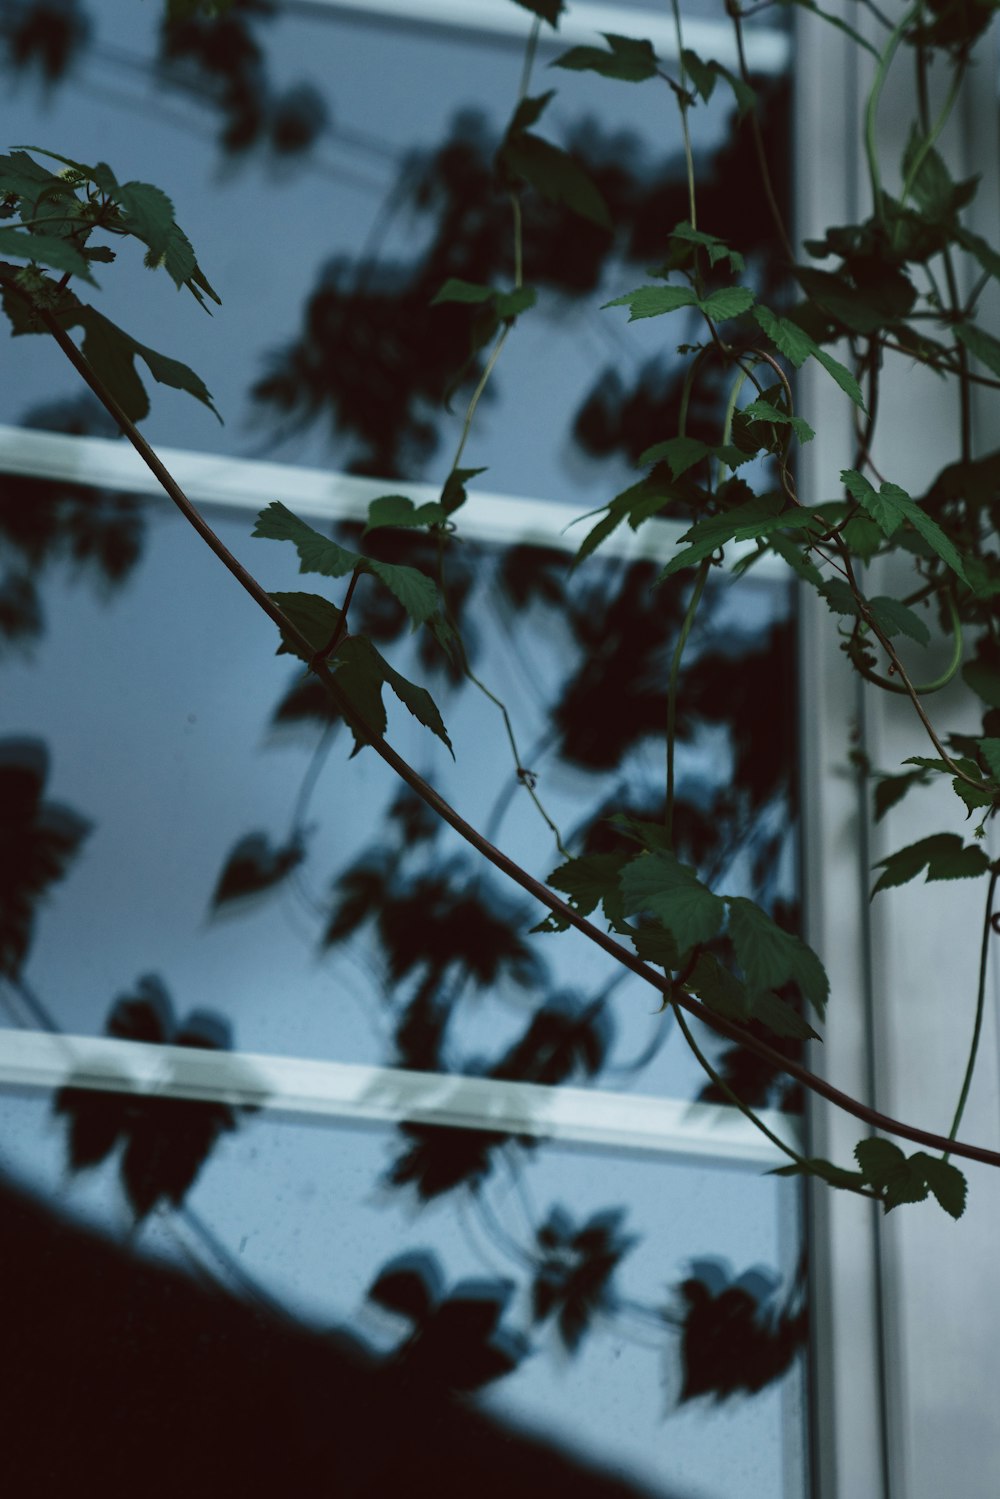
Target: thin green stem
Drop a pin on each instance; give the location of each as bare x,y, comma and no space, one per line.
744,1108
481,385
871,110
675,671
923,689
758,143
984,954
529,60
927,144
683,106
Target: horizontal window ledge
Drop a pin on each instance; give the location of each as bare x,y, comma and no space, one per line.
768,49
324,495
668,1127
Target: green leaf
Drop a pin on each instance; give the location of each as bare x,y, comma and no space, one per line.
314,617
834,1176
102,174
757,517
670,891
763,411
945,1181
510,304
727,302
988,258
771,957
653,301
797,346
148,214
588,881
49,250
629,59
317,554
554,174
682,453
942,855
990,751
717,248
795,558
398,510
549,10
895,618
453,494
417,699
833,20
455,290
636,504
719,989
892,506
983,345
704,74
884,1167
113,353
654,945
984,679
974,797
840,597
358,676
417,593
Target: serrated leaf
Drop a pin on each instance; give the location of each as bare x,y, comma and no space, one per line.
797,346
704,74
984,252
945,1181
884,1166
719,989
891,506
148,214
984,680
756,518
627,58
456,290
834,1176
416,699
670,891
679,453
716,248
399,510
974,797
317,554
727,302
980,343
113,353
314,617
510,304
49,250
770,957
589,881
654,301
655,945
417,593
990,751
894,618
942,855
453,493
795,558
763,411
555,174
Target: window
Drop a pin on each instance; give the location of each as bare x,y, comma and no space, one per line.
410,1173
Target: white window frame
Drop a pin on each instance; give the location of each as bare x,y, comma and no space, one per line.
904,1362
674,1128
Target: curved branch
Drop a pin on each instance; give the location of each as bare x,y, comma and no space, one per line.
546,897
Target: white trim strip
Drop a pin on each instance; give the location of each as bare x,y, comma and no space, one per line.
768,50
322,494
667,1127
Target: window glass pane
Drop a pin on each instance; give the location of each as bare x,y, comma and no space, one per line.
332,173
237,852
640,1319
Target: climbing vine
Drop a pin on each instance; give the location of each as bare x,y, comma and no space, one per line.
910,277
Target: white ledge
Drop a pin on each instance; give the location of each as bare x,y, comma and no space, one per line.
768,49
296,1087
320,494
